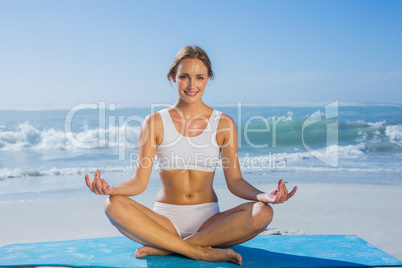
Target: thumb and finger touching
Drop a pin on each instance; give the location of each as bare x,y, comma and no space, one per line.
98,185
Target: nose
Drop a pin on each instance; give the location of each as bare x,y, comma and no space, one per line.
191,84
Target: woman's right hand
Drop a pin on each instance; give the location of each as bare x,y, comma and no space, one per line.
98,185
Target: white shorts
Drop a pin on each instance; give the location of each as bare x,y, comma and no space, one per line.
187,219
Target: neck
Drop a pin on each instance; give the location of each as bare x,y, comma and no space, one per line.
190,109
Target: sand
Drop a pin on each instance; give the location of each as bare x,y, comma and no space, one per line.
372,212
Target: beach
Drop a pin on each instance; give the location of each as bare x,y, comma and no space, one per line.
313,89
348,185
372,212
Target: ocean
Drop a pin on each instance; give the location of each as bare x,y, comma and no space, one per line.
44,154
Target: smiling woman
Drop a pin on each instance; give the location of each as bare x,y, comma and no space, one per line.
187,139
191,78
194,60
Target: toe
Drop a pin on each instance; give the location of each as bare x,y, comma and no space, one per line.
139,253
239,259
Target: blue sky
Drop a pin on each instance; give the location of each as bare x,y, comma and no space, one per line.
55,53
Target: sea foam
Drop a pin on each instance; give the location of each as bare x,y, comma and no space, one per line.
25,136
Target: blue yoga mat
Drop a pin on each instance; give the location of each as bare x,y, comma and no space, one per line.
262,251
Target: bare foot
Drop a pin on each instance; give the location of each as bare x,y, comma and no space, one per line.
208,254
151,251
219,254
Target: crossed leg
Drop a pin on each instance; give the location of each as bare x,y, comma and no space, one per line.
248,220
135,221
147,227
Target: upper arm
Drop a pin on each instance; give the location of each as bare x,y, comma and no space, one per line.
228,140
147,142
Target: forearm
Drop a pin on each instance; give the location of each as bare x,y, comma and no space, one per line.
243,189
131,187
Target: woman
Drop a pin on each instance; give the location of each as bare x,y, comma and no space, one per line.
187,138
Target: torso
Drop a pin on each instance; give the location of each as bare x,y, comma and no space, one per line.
186,187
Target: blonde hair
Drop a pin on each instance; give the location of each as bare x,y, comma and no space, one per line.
191,52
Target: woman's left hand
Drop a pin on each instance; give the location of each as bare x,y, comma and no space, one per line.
278,195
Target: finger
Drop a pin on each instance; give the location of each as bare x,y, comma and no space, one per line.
95,187
281,187
292,193
278,197
95,183
98,173
284,189
107,188
103,187
284,192
99,185
88,182
274,193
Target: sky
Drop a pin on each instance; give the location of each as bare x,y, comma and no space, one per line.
66,52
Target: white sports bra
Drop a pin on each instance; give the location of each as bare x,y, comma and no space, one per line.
181,152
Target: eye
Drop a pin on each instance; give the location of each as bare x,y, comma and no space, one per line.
182,77
200,78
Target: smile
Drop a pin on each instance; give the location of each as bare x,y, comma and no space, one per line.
191,94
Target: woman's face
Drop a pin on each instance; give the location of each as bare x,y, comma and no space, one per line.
191,78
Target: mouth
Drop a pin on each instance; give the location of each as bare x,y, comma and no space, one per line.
191,94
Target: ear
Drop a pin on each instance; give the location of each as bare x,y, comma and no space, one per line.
174,78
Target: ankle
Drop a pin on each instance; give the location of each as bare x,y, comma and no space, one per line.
201,252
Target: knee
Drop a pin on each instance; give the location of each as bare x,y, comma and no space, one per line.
113,205
262,215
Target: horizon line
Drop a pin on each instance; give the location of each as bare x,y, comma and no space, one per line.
48,107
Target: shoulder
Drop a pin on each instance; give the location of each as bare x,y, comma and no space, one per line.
151,121
226,130
225,121
153,118
153,125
